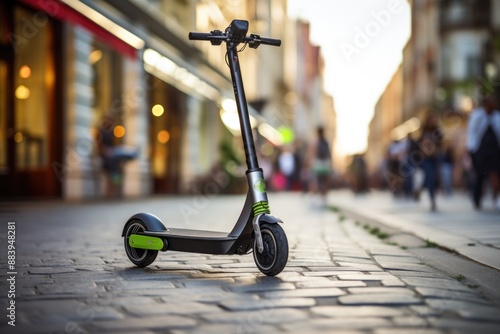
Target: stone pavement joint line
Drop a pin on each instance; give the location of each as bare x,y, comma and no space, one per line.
74,276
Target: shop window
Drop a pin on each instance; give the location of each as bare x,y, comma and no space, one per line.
34,75
107,86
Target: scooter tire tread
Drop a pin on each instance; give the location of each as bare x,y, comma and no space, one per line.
281,250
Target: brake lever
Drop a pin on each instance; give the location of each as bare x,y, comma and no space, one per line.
254,43
216,33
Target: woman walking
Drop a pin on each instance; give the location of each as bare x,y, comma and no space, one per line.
430,143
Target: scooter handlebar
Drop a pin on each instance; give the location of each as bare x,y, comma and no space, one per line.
216,37
200,36
270,41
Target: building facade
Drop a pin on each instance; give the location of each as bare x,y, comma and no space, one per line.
76,74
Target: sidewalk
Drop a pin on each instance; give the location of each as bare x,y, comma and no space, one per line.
455,226
74,277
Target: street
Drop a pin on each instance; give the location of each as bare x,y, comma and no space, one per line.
342,276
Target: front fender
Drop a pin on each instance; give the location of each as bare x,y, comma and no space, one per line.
152,222
270,219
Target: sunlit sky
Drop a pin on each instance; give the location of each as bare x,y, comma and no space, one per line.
357,66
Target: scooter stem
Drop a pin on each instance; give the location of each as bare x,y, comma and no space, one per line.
241,103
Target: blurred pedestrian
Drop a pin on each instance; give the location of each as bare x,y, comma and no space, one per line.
393,167
446,164
483,144
321,164
110,164
409,165
113,156
430,143
287,166
359,174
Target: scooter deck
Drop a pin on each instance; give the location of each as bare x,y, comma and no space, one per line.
189,234
195,241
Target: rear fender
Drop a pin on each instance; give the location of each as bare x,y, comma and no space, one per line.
152,222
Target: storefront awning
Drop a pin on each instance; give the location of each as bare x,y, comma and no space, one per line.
78,13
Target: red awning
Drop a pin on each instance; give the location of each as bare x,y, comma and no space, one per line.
61,11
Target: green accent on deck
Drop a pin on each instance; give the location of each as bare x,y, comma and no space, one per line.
145,242
260,207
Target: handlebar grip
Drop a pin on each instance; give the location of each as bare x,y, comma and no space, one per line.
270,41
199,36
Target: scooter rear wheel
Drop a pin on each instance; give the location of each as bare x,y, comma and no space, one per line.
274,257
139,257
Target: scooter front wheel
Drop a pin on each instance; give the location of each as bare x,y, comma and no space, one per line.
139,257
274,257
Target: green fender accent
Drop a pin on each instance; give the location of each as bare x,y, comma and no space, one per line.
145,242
260,207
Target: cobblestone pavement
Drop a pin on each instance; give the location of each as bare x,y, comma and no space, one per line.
73,277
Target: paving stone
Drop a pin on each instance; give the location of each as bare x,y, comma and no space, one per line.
227,328
268,303
337,269
353,259
333,324
191,283
410,321
363,277
392,283
379,299
124,301
330,273
360,267
260,287
180,308
211,295
140,285
256,318
68,288
403,267
156,322
424,311
434,283
324,292
318,284
321,264
222,275
451,294
358,311
409,273
406,330
50,270
381,290
394,259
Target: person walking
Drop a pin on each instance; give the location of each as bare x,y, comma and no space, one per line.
430,143
286,163
483,144
446,162
321,166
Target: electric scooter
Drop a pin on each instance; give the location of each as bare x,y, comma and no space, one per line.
256,229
